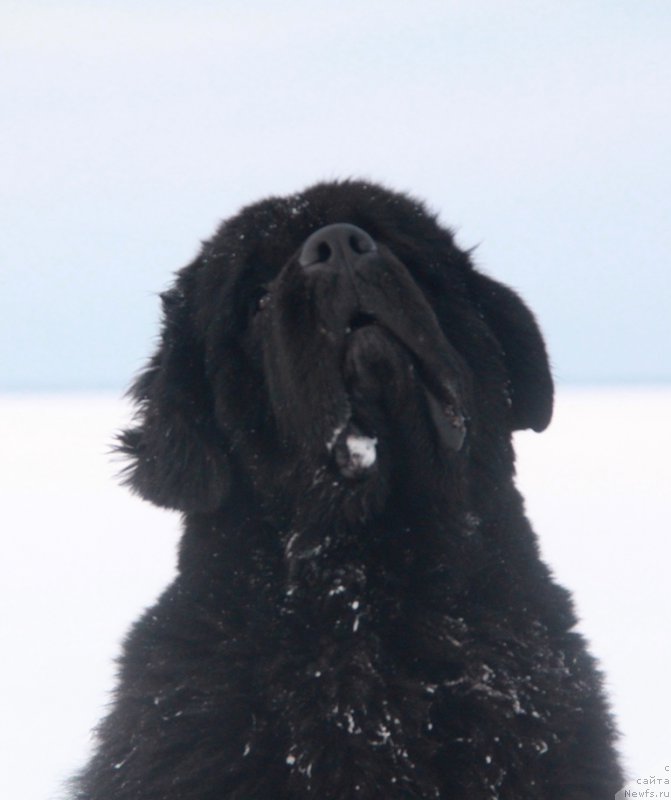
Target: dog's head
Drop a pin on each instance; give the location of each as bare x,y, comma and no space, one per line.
336,338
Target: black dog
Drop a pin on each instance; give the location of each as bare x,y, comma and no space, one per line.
361,610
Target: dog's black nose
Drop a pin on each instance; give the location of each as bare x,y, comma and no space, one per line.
334,243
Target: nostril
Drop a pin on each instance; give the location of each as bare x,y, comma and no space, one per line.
324,252
358,244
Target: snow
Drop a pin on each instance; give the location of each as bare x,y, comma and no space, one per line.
362,451
82,557
597,490
334,437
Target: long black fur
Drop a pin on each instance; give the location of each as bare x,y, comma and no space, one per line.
339,628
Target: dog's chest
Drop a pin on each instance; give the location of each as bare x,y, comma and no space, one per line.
400,700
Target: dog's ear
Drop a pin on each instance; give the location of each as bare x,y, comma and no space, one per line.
176,451
515,328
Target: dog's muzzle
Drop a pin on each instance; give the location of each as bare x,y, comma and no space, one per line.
376,286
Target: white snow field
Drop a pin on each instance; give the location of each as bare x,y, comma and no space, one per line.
82,557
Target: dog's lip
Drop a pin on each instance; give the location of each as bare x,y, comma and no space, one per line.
445,409
448,420
441,394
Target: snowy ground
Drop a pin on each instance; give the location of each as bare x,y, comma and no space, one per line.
81,558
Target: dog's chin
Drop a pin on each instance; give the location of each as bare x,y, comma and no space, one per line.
389,393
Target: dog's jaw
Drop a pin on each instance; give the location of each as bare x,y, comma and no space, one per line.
384,384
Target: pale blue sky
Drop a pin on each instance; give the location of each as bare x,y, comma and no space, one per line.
539,130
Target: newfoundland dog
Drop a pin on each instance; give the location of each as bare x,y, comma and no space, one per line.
360,609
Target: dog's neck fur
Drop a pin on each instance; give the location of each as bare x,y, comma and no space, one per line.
309,563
